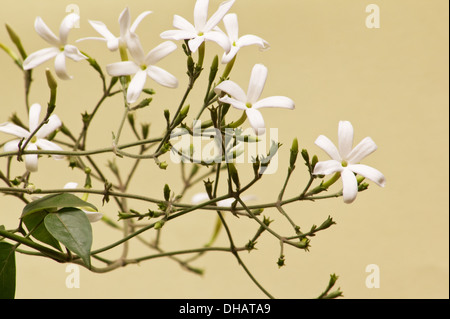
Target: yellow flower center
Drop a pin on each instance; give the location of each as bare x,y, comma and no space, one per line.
249,105
344,163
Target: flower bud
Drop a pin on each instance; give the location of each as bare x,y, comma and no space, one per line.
190,65
214,69
16,40
234,174
314,161
159,224
294,152
52,85
166,192
305,156
145,129
163,165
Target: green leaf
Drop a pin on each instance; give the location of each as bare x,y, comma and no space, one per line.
72,228
35,223
55,201
7,271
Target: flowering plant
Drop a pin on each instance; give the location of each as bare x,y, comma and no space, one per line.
56,223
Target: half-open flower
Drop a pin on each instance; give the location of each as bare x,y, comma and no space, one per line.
59,49
143,66
345,160
38,141
232,28
250,102
203,28
113,42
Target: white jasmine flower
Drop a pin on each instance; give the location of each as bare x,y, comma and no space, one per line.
250,102
113,42
60,50
203,197
203,29
346,160
231,26
143,66
92,215
37,141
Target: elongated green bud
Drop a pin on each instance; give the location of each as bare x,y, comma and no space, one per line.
145,128
234,174
52,84
16,40
214,69
166,192
182,115
294,152
314,161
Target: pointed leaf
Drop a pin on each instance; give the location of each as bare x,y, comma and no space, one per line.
7,271
72,228
35,223
55,201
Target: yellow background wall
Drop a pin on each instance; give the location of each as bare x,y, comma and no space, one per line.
391,83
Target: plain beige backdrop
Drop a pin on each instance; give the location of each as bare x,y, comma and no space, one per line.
390,82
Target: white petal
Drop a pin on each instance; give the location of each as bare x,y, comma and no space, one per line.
53,124
349,186
31,160
66,25
250,39
195,43
256,121
218,15
159,52
345,138
327,167
227,57
13,129
49,146
139,20
135,48
177,35
136,85
275,101
257,82
366,147
162,76
39,57
325,144
233,102
33,116
232,89
220,38
369,172
182,24
231,26
93,216
71,185
45,32
200,14
11,146
101,28
73,53
122,68
199,198
60,67
124,22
